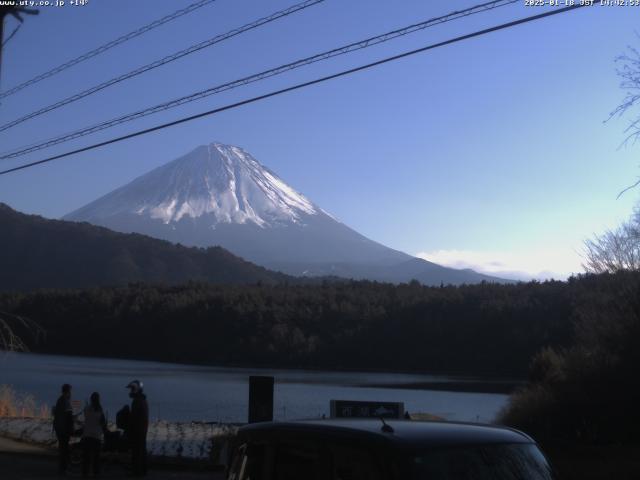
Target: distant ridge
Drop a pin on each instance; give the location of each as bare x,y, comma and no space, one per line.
39,253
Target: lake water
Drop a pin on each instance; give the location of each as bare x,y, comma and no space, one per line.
188,392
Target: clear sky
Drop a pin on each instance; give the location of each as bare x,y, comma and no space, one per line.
490,153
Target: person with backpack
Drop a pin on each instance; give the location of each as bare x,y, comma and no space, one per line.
138,427
63,426
95,425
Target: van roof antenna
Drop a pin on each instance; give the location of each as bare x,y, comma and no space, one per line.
386,428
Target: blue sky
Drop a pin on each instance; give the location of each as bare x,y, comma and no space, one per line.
490,153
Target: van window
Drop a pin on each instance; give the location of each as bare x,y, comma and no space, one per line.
300,460
249,463
255,461
353,463
491,462
236,463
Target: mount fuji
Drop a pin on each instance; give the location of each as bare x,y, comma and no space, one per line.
220,195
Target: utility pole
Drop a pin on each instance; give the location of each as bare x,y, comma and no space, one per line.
3,12
16,13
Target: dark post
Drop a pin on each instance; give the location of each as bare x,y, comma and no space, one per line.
3,12
260,399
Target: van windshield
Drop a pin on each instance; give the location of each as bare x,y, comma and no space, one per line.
487,462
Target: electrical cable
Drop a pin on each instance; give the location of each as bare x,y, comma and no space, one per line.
366,43
107,46
15,30
301,85
163,61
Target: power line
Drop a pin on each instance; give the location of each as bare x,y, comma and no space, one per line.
107,46
11,35
163,61
300,85
366,43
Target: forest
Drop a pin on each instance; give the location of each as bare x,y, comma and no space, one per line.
485,329
575,342
36,252
588,392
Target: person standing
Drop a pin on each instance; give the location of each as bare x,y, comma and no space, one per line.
63,426
94,426
138,427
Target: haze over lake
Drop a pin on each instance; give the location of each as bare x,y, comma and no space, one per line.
187,392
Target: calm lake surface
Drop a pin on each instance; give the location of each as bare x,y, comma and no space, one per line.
187,392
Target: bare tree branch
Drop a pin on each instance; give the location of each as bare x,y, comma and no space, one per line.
615,250
9,339
628,70
630,187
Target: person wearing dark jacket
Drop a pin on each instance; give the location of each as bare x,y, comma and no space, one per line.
95,425
63,426
138,427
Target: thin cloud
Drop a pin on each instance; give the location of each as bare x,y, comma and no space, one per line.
528,265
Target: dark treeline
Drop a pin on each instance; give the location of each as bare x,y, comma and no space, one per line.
576,341
589,392
485,329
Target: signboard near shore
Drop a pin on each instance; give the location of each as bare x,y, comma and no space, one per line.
359,409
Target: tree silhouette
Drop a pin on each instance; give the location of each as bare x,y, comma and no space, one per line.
615,250
10,339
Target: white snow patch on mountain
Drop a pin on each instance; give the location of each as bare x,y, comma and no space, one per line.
219,180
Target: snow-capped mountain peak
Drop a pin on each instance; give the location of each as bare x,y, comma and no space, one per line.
219,195
221,181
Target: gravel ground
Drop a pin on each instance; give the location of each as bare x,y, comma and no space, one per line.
29,466
11,446
26,460
185,440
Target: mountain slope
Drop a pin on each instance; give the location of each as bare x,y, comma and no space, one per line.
413,269
220,195
218,181
40,253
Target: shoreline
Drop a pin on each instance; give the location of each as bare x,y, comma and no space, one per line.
185,442
455,377
503,387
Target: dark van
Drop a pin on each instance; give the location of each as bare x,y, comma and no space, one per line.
374,450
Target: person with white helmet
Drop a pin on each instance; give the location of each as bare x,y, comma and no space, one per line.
138,427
